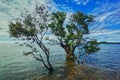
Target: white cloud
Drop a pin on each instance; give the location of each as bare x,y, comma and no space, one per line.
107,22
83,2
107,35
107,16
68,15
11,9
106,32
104,16
78,1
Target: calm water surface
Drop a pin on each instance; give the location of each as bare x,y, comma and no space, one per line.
15,66
108,57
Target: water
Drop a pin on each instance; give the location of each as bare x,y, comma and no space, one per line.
15,66
108,57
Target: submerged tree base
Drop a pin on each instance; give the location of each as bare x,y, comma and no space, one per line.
81,73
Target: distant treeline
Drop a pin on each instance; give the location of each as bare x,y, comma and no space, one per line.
109,42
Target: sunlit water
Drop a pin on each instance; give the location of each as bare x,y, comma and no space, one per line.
15,66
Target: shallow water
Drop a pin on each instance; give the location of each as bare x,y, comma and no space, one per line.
15,66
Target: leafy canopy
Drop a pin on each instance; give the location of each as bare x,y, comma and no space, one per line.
72,33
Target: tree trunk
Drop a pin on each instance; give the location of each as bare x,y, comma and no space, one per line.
70,63
50,66
47,64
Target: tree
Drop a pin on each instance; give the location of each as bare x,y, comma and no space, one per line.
34,28
72,35
31,28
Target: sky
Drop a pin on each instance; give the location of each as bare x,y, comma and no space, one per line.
107,15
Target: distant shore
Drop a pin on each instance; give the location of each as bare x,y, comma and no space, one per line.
109,42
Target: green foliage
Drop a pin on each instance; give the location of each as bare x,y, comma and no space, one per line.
72,33
83,20
18,30
15,29
57,24
91,47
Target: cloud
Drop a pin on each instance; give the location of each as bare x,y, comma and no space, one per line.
107,22
83,2
68,15
103,17
12,9
78,1
106,32
107,16
107,35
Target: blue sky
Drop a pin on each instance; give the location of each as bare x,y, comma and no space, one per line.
107,15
